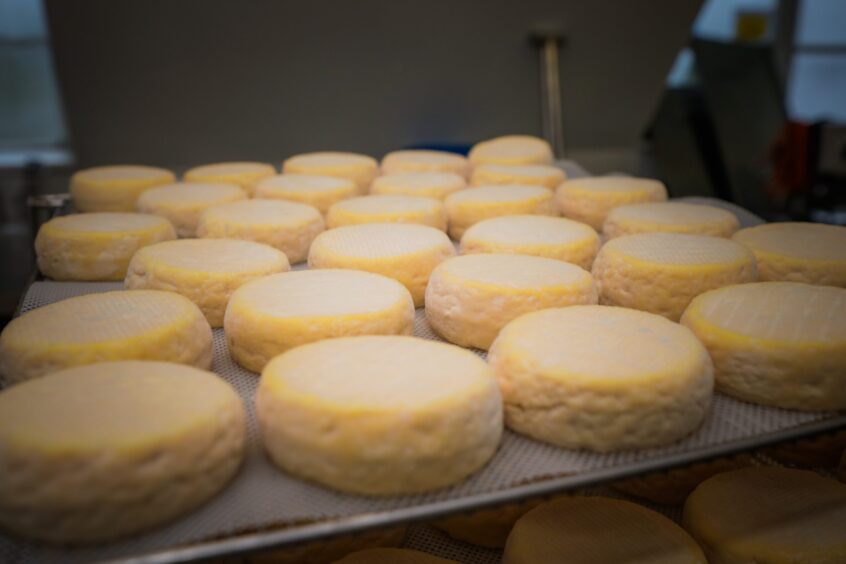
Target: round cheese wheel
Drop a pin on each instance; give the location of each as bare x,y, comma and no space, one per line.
114,188
418,160
379,415
406,253
268,316
436,185
244,174
511,150
589,200
143,325
536,175
669,217
183,203
662,272
287,226
769,515
96,246
487,527
468,207
597,530
318,191
361,169
388,209
776,343
550,237
471,297
393,556
798,252
206,271
97,452
601,378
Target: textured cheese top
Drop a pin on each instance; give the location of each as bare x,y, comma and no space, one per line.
511,150
302,183
671,213
106,222
262,212
518,174
597,185
381,240
428,184
514,271
678,249
215,255
106,174
189,195
530,230
328,160
387,204
810,241
234,169
505,193
424,161
392,556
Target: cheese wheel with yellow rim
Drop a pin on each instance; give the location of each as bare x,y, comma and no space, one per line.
318,191
114,188
669,217
590,200
388,209
511,150
184,202
535,175
420,160
361,169
244,174
468,207
436,185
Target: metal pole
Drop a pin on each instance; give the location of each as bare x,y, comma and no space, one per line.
548,45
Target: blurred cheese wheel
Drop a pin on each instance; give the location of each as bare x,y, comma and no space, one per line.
388,209
418,160
183,203
244,174
318,191
468,207
114,188
590,200
669,217
536,175
511,150
361,169
436,185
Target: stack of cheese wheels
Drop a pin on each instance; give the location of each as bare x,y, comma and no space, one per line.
468,207
662,272
589,200
601,378
486,527
406,253
361,169
143,325
769,515
537,175
379,415
206,271
388,209
598,530
114,188
798,252
436,185
471,297
244,174
538,235
776,343
511,150
183,203
318,191
419,160
93,453
96,246
393,556
287,226
669,217
270,315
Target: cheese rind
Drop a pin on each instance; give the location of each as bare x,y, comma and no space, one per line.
468,207
590,200
114,188
244,174
287,226
318,191
471,297
537,235
268,316
98,452
775,343
393,556
662,272
379,415
535,175
669,217
96,246
511,150
182,203
388,209
361,169
134,325
436,185
798,252
418,160
206,271
601,378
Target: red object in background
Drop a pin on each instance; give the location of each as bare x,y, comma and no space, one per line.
791,158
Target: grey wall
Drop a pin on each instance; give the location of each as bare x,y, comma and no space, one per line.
177,82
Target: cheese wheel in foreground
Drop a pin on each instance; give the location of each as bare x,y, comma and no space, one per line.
379,415
419,160
669,217
270,315
471,297
538,235
388,209
536,175
318,191
798,252
436,185
662,272
361,169
114,188
206,271
244,174
781,344
590,200
511,150
769,515
93,453
598,530
96,246
467,207
406,253
601,378
183,203
287,226
134,325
